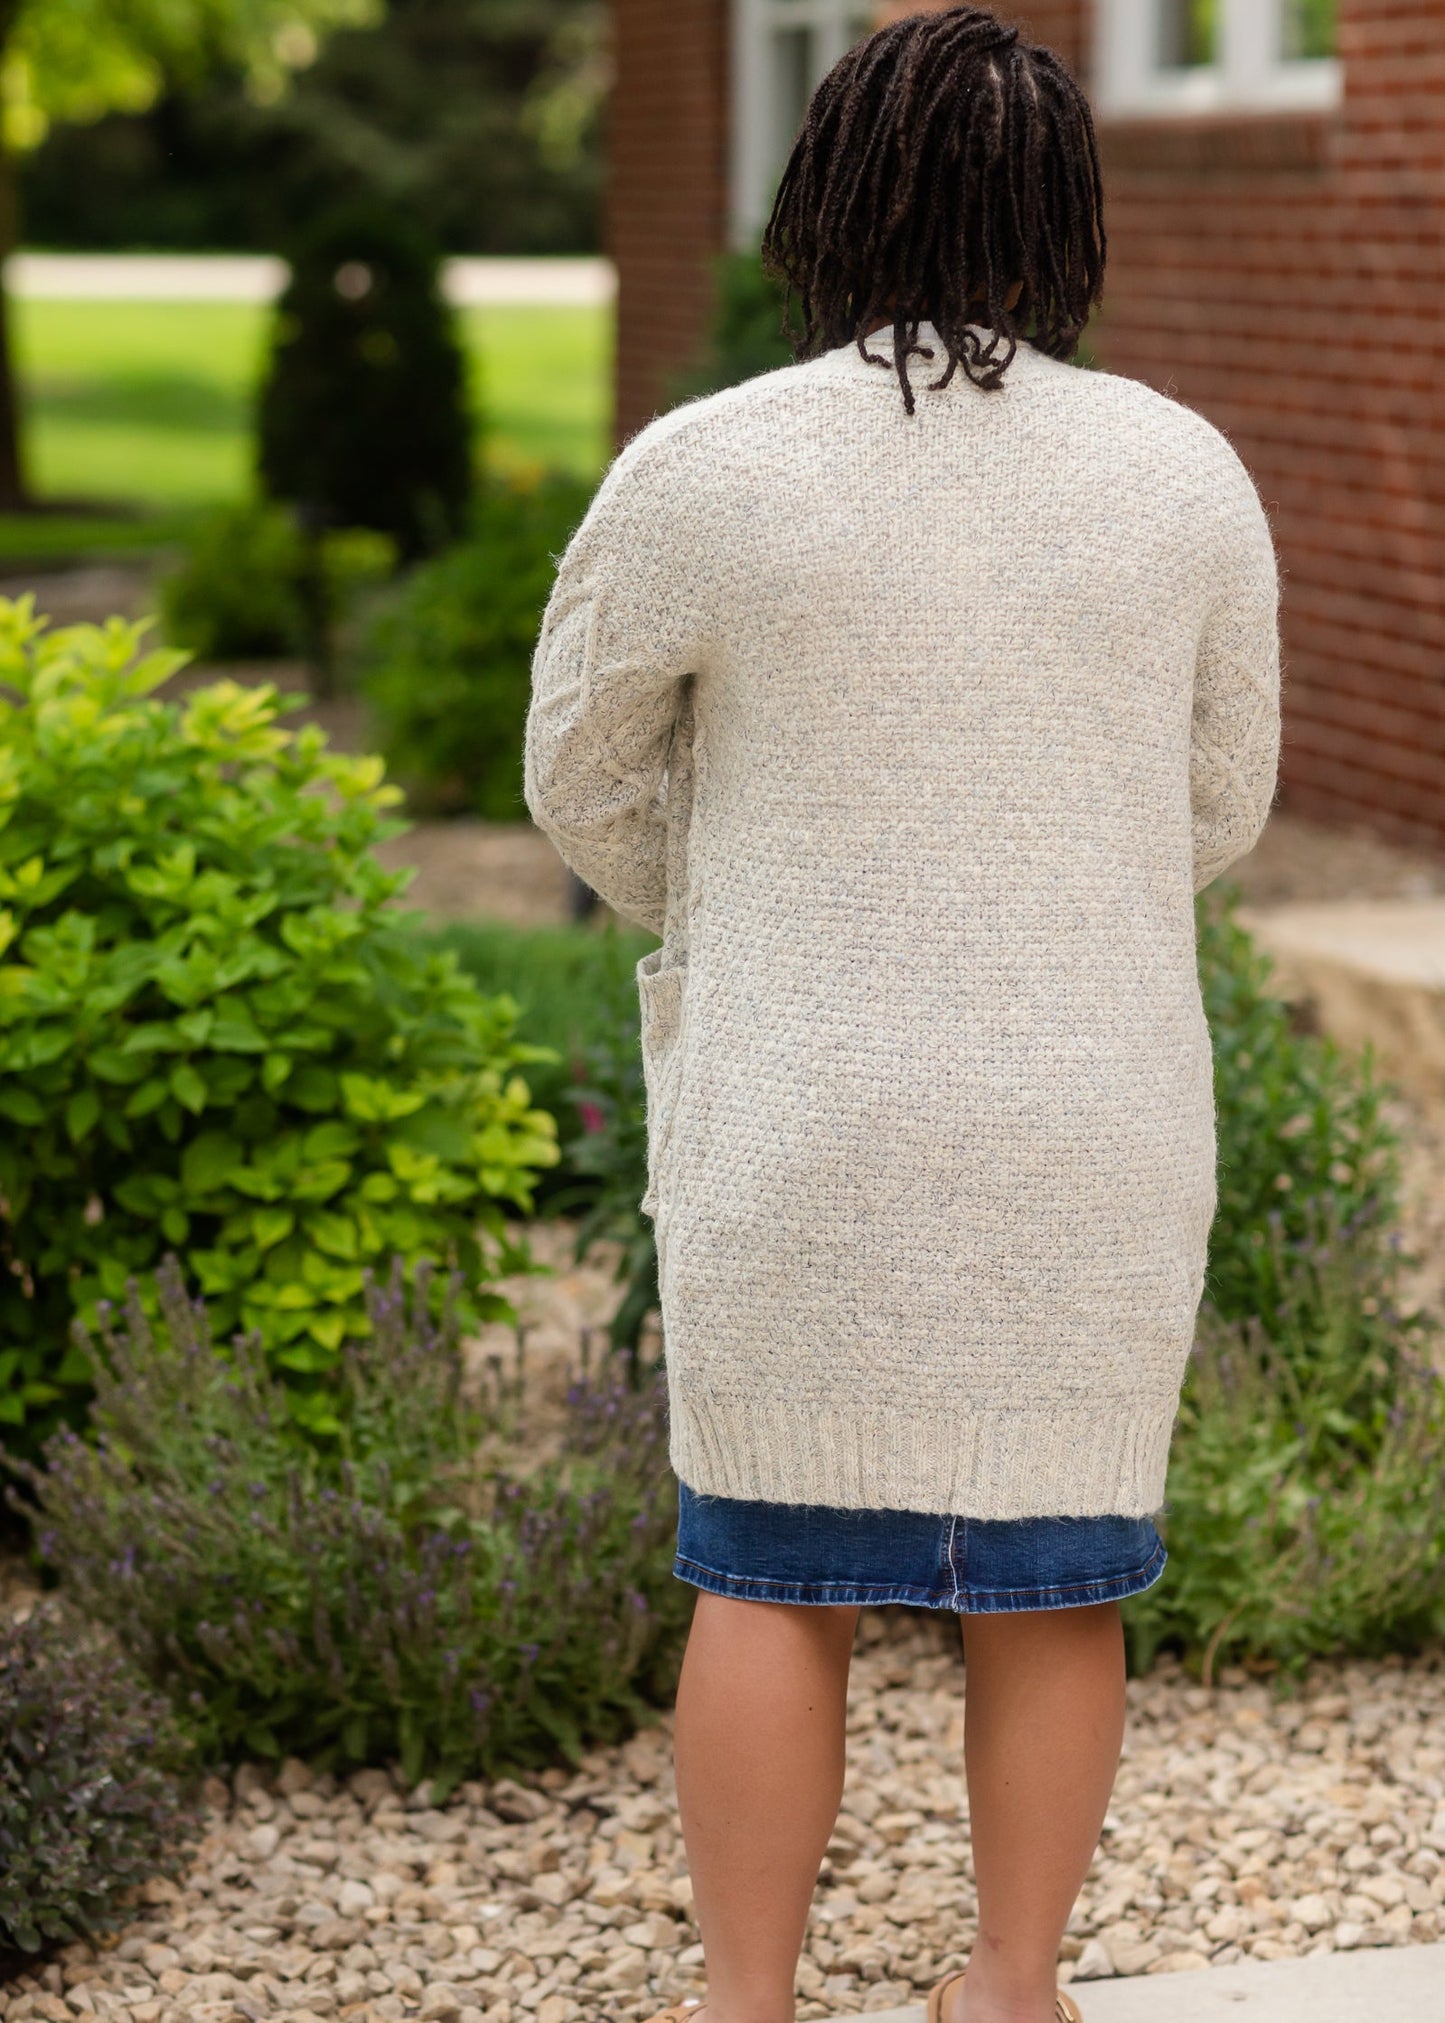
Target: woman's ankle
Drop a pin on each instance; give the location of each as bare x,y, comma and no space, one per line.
981,1998
746,2011
746,2008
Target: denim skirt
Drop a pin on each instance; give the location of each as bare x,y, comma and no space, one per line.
812,1553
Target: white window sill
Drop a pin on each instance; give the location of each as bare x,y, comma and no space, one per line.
1186,94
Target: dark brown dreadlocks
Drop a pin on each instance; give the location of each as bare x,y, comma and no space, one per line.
942,163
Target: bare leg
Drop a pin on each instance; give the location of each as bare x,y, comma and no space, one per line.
759,1746
1043,1726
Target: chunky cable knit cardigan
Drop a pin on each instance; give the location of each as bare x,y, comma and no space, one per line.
913,738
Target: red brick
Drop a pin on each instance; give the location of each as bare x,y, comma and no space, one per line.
1284,276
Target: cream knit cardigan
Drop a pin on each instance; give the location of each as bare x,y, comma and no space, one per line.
914,738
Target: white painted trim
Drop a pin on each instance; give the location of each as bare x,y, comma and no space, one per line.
750,95
1250,76
753,121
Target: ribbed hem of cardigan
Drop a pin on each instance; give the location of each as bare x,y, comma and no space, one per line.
1109,1459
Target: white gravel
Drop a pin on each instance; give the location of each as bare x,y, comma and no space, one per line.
1243,1825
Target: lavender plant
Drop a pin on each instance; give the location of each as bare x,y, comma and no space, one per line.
91,1802
410,1594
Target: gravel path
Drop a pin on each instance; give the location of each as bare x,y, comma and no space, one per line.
1243,1825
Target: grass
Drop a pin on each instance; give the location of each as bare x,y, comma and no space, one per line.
35,539
571,982
148,404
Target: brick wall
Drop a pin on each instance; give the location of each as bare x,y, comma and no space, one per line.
667,189
1286,276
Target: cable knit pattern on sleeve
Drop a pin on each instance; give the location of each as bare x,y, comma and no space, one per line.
913,738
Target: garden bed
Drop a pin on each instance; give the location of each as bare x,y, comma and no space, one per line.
1243,1826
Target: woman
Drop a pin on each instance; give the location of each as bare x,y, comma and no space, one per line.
910,692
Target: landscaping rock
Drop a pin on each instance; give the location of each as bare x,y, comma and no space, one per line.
1244,1825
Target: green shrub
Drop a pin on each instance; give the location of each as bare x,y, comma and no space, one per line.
1305,1507
577,993
608,1151
252,586
1302,1131
745,333
575,987
363,417
217,1034
90,1803
446,665
411,1594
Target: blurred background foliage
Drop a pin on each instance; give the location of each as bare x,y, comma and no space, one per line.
481,119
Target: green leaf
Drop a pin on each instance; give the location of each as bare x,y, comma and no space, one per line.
320,1182
209,1161
335,1234
329,1329
275,1070
82,1114
330,1141
188,1088
235,1030
111,1065
21,1106
148,1097
272,1225
313,1089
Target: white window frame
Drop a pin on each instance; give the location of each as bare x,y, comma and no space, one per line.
752,171
1251,73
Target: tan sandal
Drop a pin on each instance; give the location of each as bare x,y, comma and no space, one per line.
680,2012
1066,2009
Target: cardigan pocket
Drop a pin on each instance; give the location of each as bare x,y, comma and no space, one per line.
661,988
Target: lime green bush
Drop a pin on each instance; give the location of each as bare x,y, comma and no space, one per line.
250,586
217,1033
446,665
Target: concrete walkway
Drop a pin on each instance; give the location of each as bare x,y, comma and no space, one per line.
1375,969
1397,1984
258,277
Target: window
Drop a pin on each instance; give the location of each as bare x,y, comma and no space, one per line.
1157,57
781,49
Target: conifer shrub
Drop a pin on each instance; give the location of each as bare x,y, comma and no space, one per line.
363,417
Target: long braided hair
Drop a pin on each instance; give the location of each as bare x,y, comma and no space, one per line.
943,164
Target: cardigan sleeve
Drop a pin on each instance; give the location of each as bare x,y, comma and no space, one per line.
1235,739
622,630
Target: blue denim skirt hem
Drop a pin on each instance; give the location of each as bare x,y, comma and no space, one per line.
814,1555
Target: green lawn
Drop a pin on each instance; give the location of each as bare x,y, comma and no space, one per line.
148,403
